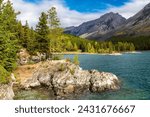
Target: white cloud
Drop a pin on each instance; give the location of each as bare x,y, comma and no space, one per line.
130,8
31,12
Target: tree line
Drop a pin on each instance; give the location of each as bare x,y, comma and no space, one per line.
140,42
47,37
8,40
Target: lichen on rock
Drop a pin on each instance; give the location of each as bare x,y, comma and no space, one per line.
66,78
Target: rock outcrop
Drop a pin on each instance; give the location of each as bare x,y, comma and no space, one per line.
66,78
6,91
25,58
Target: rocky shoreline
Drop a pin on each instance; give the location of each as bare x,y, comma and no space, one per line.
62,78
65,79
86,53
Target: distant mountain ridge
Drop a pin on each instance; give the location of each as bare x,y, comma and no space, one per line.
113,24
102,25
137,25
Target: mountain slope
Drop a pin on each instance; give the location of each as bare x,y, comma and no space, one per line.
113,24
136,30
100,26
138,25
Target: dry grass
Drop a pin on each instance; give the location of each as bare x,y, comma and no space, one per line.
24,72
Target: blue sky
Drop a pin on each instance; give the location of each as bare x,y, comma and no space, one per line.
87,6
75,12
93,5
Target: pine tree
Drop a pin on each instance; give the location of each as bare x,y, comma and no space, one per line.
53,20
8,48
90,48
75,47
26,35
96,46
32,42
20,35
55,32
132,48
42,34
1,5
69,46
10,18
110,46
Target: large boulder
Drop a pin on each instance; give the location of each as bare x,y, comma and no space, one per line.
66,78
6,91
25,58
101,81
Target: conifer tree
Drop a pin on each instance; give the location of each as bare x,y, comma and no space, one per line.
69,46
55,31
9,18
42,34
32,42
132,48
90,48
75,47
8,48
20,34
110,46
26,40
53,20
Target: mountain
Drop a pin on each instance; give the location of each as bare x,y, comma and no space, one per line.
100,26
113,25
136,30
138,25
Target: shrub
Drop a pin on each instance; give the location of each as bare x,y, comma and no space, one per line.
72,71
76,60
57,57
62,67
68,60
4,75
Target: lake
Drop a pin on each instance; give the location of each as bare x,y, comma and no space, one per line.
133,69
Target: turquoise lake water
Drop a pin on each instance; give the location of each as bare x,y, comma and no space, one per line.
132,69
